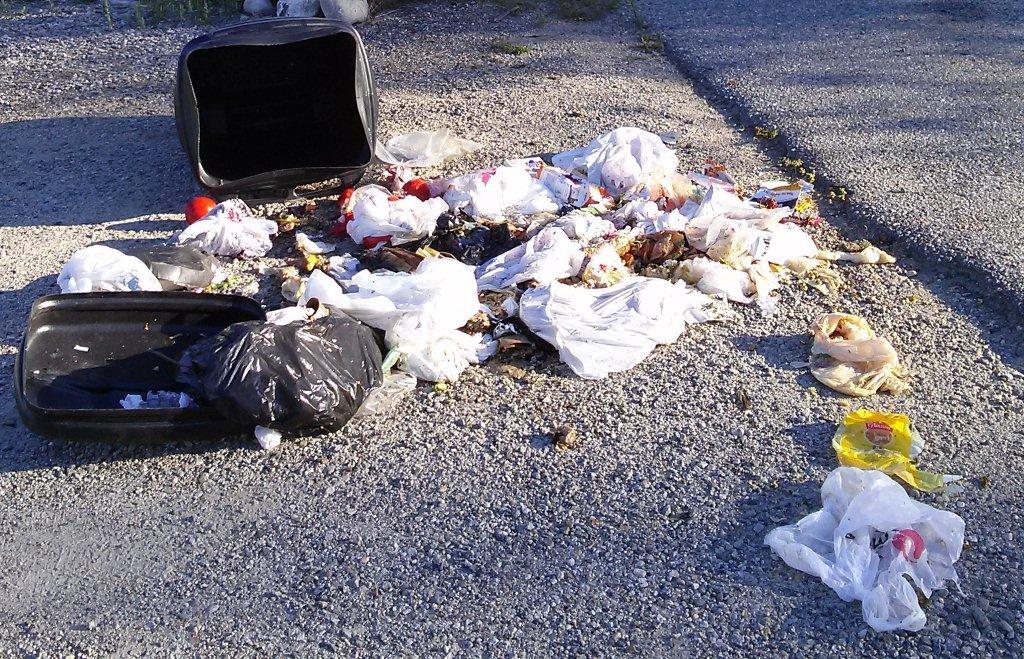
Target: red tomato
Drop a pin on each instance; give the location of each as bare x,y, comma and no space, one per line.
372,241
418,188
197,208
909,543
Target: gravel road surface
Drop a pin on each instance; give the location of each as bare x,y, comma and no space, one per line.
914,105
451,527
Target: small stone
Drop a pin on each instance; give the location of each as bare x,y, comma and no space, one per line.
298,8
566,438
1006,628
258,8
352,11
980,619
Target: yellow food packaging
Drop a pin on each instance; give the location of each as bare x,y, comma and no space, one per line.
887,442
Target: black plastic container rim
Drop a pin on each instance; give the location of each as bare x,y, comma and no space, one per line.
93,301
281,183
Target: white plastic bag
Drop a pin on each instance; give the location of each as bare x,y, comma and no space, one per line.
495,194
102,268
719,280
343,267
872,542
548,256
787,242
415,309
621,159
404,220
289,315
231,229
424,148
722,213
584,227
849,357
445,358
268,438
607,330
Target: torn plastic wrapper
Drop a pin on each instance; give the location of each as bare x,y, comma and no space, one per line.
888,443
849,357
424,148
872,542
382,399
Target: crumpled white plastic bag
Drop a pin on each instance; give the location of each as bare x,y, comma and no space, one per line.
621,159
869,538
102,268
608,330
495,194
343,267
307,245
419,311
424,148
548,256
445,358
849,357
231,229
584,227
787,242
721,213
404,220
719,280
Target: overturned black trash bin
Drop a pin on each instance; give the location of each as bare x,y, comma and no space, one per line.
269,105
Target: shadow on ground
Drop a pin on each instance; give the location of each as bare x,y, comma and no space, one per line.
87,170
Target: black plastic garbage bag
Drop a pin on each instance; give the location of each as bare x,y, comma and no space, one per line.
295,377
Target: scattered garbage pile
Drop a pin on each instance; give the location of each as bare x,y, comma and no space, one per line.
598,254
605,245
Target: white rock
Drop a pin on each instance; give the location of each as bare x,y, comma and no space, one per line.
298,8
258,8
353,11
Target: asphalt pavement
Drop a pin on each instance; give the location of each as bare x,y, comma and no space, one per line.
914,106
450,526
